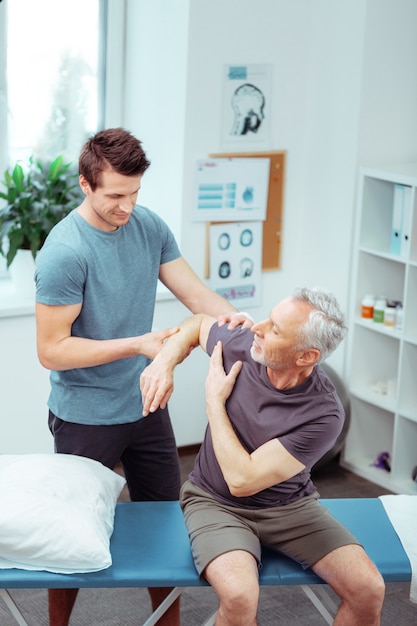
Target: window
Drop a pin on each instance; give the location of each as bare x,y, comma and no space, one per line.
52,77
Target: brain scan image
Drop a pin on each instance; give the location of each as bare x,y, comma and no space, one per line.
246,237
224,241
246,267
248,104
224,270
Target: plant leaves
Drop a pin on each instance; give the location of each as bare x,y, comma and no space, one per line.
37,197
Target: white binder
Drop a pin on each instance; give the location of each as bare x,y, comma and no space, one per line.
397,218
406,221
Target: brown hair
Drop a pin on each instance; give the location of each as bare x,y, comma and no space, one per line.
111,149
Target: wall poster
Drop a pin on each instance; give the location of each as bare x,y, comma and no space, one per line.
231,189
235,262
247,106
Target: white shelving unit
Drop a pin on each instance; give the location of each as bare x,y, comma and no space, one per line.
376,353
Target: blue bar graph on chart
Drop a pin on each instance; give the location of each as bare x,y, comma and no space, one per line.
217,196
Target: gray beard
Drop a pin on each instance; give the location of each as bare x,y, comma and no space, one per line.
273,365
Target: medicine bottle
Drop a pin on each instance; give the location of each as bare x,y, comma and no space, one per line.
399,315
379,309
367,307
389,315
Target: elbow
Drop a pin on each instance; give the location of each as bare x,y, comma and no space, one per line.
46,361
240,488
238,493
42,359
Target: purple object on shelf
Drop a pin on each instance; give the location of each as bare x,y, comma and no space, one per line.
382,461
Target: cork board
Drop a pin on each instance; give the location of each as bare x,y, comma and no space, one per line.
273,224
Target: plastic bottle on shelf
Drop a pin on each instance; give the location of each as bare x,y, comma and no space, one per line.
379,309
399,316
389,314
367,307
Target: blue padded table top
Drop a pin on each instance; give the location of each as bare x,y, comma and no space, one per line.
367,520
150,548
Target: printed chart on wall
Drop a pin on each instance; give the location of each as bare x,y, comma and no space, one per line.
231,189
246,106
235,262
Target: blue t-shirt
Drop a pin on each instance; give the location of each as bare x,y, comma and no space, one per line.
114,275
307,419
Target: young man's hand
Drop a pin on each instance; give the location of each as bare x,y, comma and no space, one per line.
235,319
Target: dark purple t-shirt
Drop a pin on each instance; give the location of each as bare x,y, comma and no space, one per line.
307,420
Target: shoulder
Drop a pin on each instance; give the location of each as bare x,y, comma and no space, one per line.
323,394
322,381
63,242
142,215
69,232
236,342
146,223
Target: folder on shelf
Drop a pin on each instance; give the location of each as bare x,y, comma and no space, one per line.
406,222
397,219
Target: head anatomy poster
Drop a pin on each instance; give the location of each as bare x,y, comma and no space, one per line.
247,106
236,262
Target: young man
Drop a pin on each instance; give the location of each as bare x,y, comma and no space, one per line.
272,414
96,281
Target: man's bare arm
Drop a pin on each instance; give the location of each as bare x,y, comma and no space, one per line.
157,380
59,350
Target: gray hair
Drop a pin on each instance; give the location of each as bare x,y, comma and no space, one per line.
326,324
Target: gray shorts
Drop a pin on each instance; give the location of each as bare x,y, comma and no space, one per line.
303,530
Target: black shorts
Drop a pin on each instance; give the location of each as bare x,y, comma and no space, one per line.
146,449
303,530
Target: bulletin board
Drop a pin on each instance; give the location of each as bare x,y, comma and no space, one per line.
273,224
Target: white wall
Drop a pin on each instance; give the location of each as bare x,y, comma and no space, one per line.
333,108
24,386
388,117
154,103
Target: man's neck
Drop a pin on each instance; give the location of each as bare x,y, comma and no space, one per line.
87,213
287,379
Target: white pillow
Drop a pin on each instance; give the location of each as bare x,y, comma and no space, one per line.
56,512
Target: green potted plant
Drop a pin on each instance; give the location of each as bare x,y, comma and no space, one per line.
37,197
